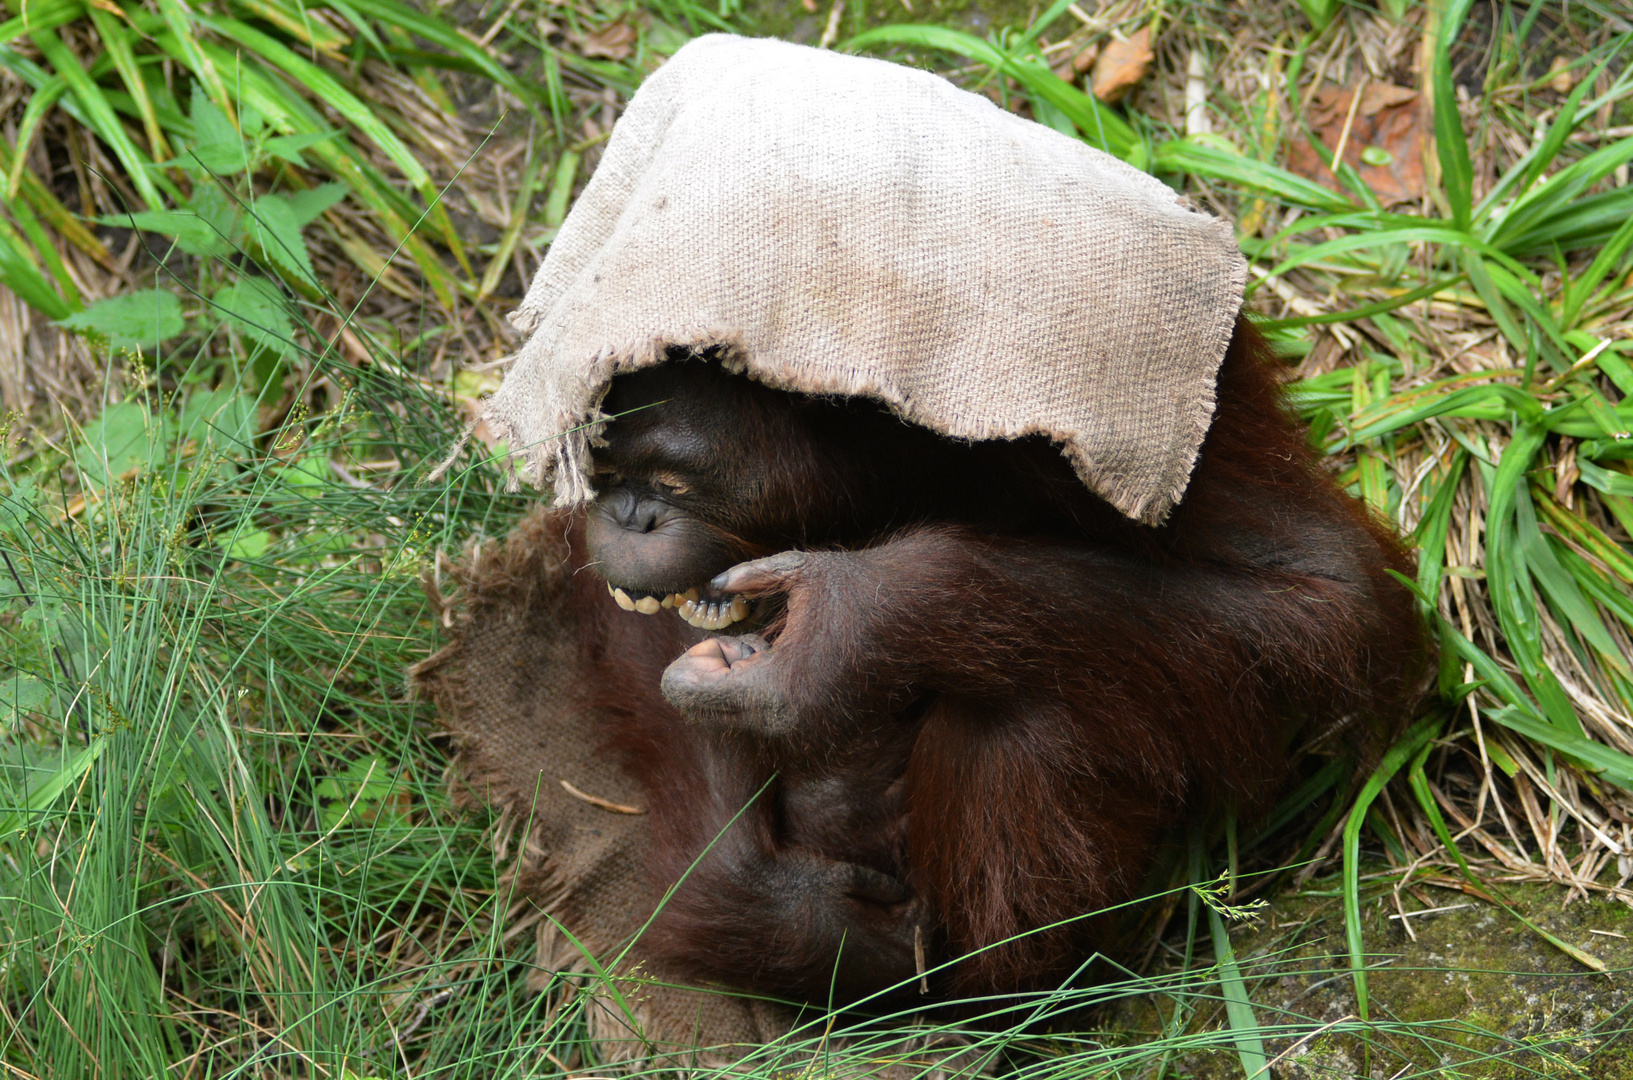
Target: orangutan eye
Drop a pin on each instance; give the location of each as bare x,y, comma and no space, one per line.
668,484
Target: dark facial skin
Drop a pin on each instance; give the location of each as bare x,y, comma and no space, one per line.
685,489
670,483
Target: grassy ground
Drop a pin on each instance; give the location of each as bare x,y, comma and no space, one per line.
254,257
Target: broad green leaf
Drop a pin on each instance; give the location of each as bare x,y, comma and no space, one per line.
21,694
217,147
305,206
254,308
18,505
124,438
222,417
37,793
295,116
306,473
207,227
248,544
132,320
277,228
289,147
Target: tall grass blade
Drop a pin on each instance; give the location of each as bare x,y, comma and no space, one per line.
1451,144
1397,756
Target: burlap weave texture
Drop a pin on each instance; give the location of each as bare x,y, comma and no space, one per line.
831,224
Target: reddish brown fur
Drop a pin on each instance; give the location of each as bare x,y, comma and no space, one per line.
989,686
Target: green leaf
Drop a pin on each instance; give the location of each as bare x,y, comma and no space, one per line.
217,146
22,694
309,471
1614,765
1244,1025
255,309
277,228
248,544
18,505
38,793
1398,755
1430,535
207,227
100,117
289,147
1218,163
1451,145
307,205
19,274
1606,480
222,417
123,438
326,88
132,320
1419,782
1319,12
1571,608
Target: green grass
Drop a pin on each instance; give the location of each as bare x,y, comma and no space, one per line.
225,844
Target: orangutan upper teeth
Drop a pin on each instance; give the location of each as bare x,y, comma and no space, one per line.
704,614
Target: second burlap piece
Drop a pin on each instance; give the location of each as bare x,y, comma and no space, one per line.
837,225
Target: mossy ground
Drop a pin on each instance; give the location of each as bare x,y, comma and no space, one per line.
1479,994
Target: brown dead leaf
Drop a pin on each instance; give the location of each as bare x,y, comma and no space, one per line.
1120,65
614,42
1072,68
1385,143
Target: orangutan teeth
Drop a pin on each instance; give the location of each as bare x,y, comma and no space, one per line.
710,614
703,614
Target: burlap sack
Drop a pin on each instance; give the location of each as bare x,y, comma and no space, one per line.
838,225
507,689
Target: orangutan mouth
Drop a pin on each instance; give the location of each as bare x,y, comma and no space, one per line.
705,613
